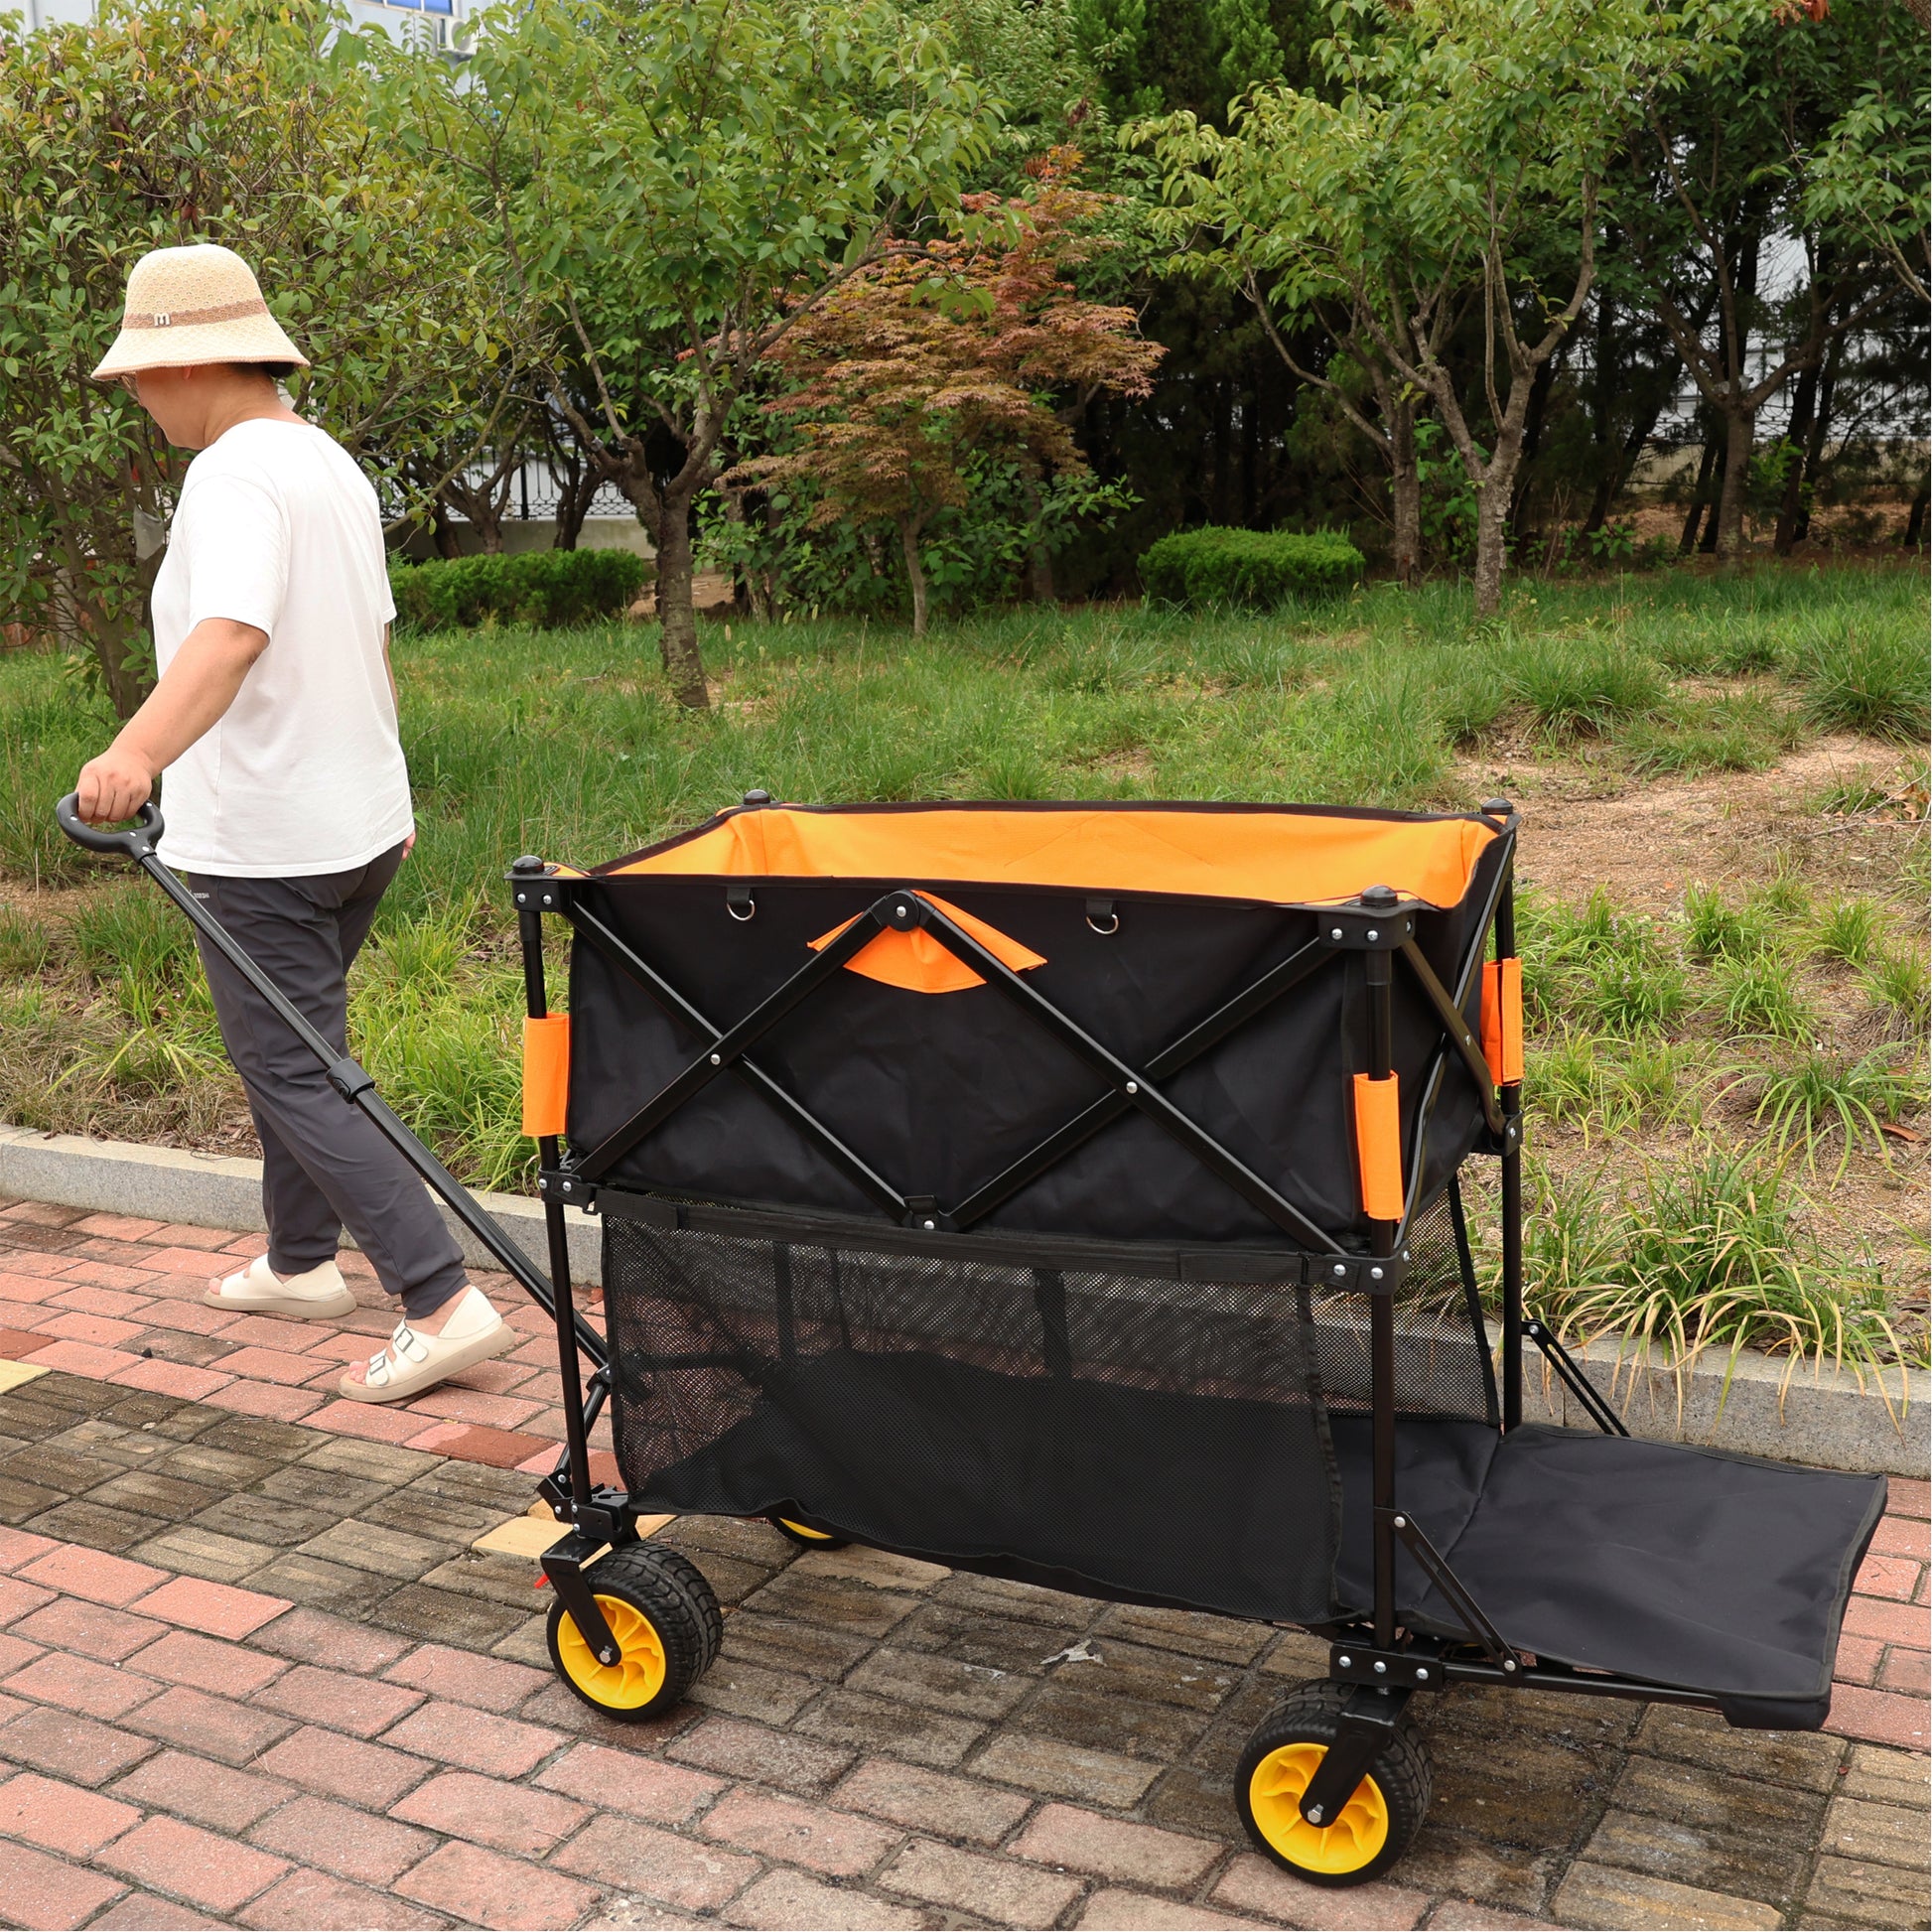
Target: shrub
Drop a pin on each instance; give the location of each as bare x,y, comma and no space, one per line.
1255,569
542,588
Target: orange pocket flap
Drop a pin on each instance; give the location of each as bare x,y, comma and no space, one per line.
546,1074
1502,1020
917,960
1378,1146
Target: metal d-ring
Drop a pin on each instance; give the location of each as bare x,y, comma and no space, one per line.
751,906
1105,907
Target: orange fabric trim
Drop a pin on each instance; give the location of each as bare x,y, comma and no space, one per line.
1502,1020
546,1074
1281,857
917,960
1378,1146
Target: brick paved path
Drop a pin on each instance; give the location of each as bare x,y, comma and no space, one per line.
251,1672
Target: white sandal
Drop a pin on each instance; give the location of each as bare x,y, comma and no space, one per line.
413,1361
317,1295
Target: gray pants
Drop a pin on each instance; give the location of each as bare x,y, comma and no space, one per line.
324,1167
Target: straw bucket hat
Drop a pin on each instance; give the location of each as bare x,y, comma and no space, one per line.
199,304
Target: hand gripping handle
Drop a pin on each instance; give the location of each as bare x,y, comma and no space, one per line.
136,844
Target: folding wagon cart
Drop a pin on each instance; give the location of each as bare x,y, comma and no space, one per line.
1073,1193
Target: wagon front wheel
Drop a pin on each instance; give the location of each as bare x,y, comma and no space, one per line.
1373,1829
667,1623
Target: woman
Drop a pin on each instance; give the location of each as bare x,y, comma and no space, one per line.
288,800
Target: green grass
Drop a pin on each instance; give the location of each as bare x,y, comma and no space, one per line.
1763,997
1900,983
1708,1252
1608,971
1866,677
1850,931
1821,1095
564,743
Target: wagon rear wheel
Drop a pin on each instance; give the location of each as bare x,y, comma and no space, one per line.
667,1623
1373,1829
805,1536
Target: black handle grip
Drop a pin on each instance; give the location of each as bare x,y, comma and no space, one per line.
137,844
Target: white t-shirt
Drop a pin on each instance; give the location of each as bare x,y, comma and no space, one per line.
276,527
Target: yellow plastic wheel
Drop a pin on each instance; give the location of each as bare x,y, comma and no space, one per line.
639,1674
1378,1820
805,1536
1354,1840
665,1619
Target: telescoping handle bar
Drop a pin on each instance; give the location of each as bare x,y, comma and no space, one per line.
344,1075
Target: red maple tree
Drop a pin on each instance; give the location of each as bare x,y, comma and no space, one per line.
934,358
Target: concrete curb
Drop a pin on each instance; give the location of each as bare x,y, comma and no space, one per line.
1826,1418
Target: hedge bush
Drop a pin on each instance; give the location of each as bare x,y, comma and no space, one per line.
544,587
1257,569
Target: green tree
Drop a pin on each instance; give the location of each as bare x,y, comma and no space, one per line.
681,183
1784,147
179,122
1447,175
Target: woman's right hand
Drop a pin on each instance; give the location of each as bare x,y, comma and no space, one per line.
113,787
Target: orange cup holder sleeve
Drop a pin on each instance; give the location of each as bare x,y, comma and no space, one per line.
1502,1020
546,1074
1378,1146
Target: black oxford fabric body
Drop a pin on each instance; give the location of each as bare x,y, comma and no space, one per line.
1128,1380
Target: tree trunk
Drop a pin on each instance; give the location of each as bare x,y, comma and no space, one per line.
1039,560
1914,531
1405,491
677,620
121,670
1700,496
1821,424
1541,385
909,543
574,495
1492,529
1804,403
1741,427
448,544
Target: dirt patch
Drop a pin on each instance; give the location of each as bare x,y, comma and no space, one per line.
1645,842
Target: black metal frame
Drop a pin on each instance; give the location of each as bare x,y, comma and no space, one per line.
1384,1663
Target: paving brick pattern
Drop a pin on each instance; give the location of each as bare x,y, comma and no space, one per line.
118,1299
252,1673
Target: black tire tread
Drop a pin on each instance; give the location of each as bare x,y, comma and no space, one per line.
670,1589
1312,1715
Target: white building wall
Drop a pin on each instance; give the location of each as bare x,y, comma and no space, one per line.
440,20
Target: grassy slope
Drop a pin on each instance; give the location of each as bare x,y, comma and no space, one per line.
563,744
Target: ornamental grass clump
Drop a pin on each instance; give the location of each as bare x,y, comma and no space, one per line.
1866,678
1608,970
1707,1253
1822,1094
1578,688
